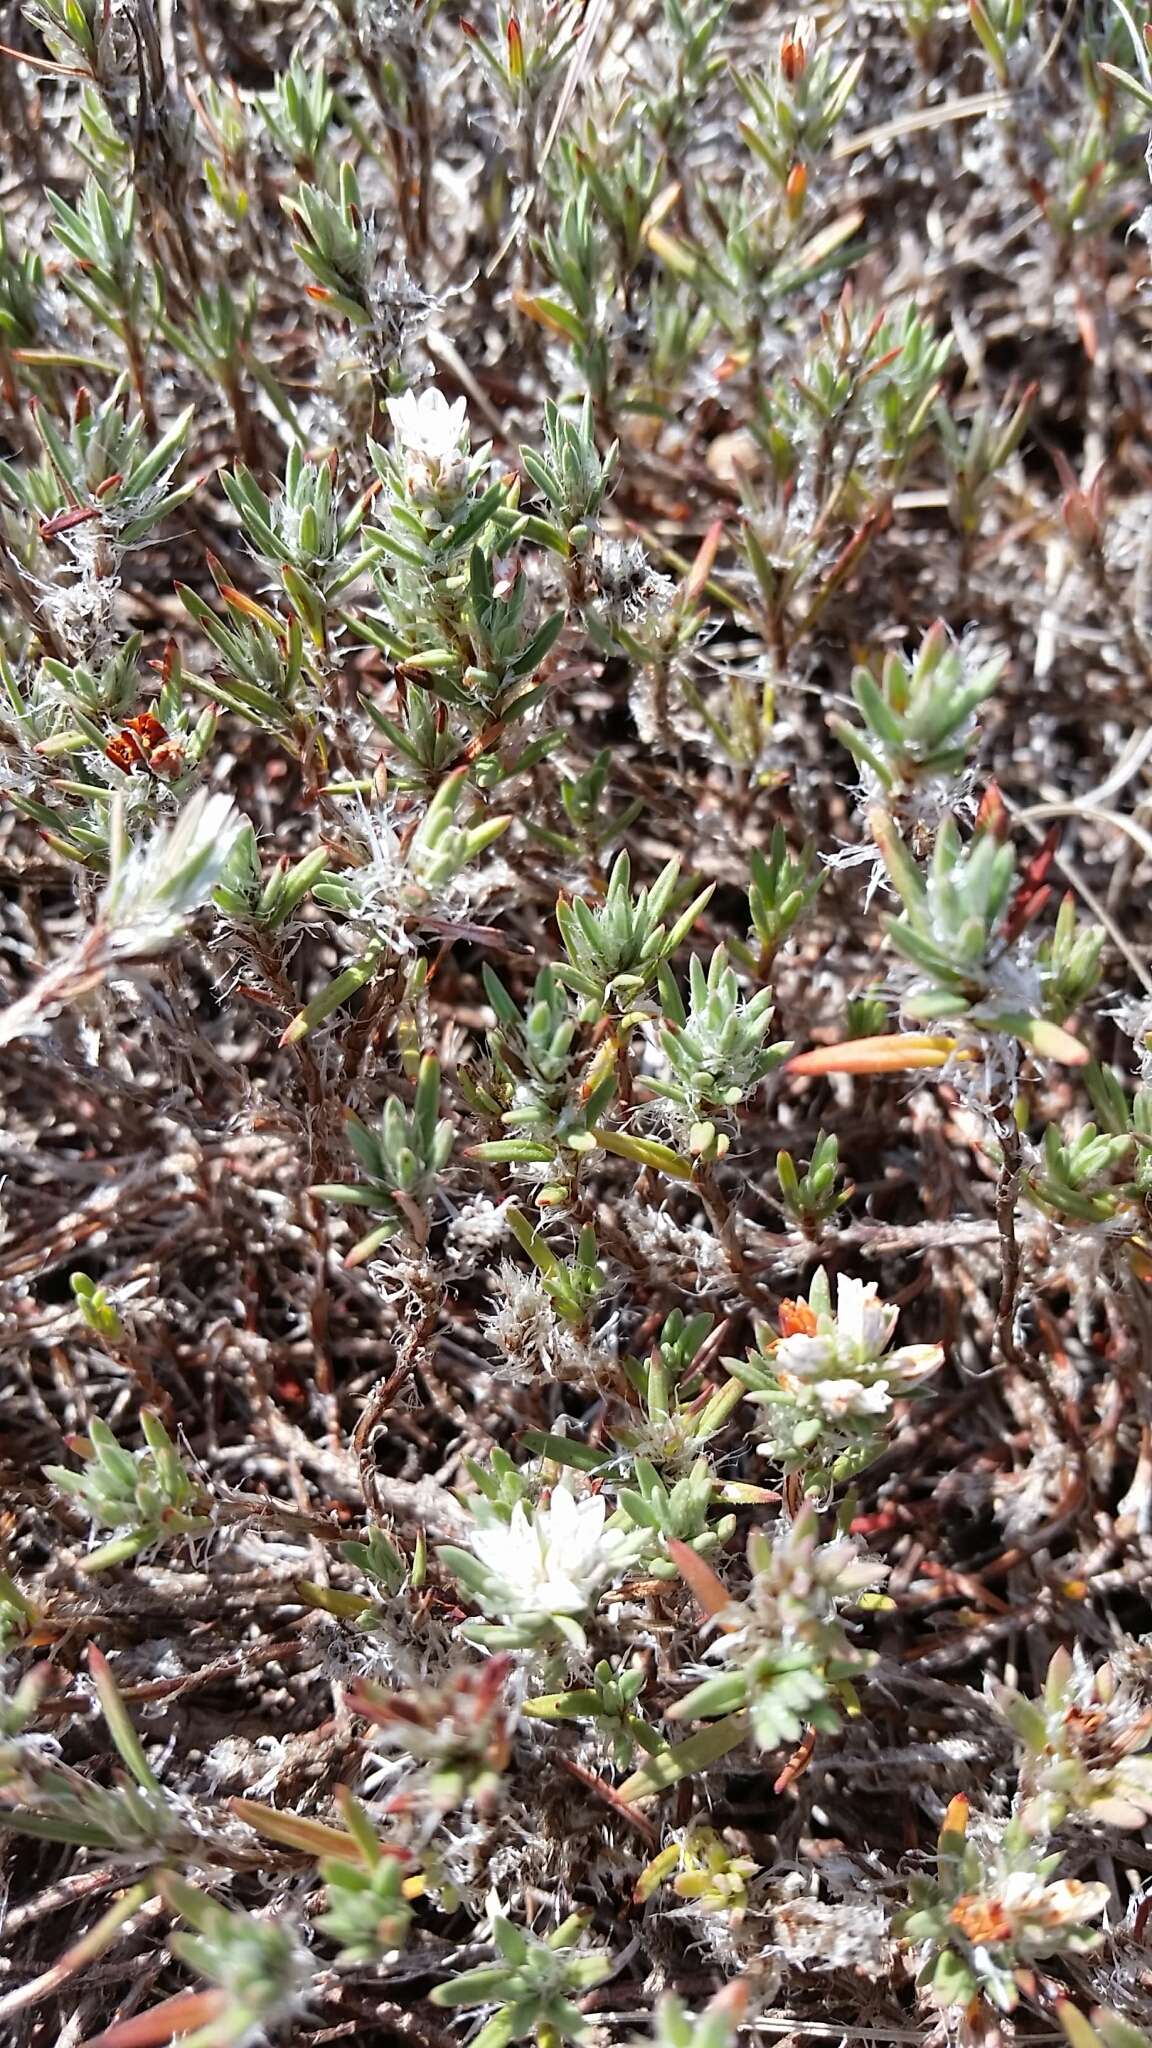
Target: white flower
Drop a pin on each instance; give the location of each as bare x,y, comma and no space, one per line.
156,887
865,1322
425,424
554,1561
913,1362
1062,1904
1082,1741
804,1357
853,1341
1020,1908
830,1382
432,442
850,1397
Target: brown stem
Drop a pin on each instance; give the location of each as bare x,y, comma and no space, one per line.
139,375
719,1214
380,1399
1007,1189
157,1397
1064,1423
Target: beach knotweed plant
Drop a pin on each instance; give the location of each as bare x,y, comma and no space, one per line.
917,720
57,707
97,1312
389,1575
574,254
811,1193
457,1733
97,764
847,425
1098,1178
259,670
18,1706
298,113
681,1407
505,654
572,477
705,1871
393,882
576,1099
1082,1744
993,1909
44,1797
1075,1179
681,1512
18,1614
154,888
963,933
609,1705
788,1660
148,1496
592,823
369,1888
259,902
437,502
976,452
304,536
337,246
104,481
256,1969
828,1383
570,1286
796,106
502,1484
782,888
714,1045
530,1055
715,2026
1104,2029
865,1015
402,1160
533,1984
614,949
540,1326
539,1574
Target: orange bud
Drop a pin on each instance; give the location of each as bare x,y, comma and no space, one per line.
796,189
1081,518
796,1319
1082,507
992,815
955,1821
793,55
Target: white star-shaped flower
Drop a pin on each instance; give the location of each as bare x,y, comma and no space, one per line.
425,424
555,1560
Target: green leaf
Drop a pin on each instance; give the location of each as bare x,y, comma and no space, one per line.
644,1152
128,1744
565,1450
685,1759
510,1151
538,1249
